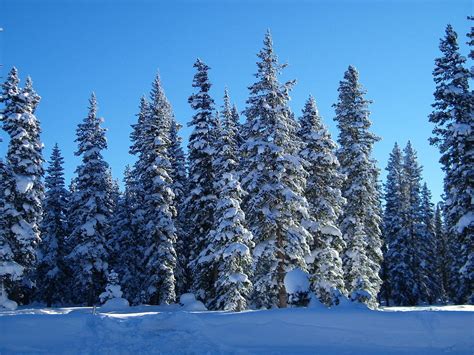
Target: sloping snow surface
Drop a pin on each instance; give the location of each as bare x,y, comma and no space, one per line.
163,330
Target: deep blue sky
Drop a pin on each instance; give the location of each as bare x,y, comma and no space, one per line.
114,48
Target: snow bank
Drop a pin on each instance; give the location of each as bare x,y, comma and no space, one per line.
167,329
189,303
114,304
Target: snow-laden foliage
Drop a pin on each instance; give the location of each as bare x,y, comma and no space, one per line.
179,187
22,200
228,256
442,253
201,200
91,207
393,248
51,269
122,245
113,289
275,179
453,112
159,255
361,214
323,192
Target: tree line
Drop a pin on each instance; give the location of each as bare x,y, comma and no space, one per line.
247,203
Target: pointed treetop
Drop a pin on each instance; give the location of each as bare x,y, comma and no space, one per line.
92,105
30,97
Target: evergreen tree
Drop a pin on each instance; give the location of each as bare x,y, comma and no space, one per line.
417,283
10,270
135,190
429,248
200,203
227,255
179,187
159,211
275,179
443,257
323,192
396,269
24,160
51,268
122,246
361,215
113,289
452,116
231,125
90,212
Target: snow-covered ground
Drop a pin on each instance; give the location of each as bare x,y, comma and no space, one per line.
153,329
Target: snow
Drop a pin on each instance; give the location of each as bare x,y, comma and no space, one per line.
169,329
189,303
465,221
24,183
296,280
114,304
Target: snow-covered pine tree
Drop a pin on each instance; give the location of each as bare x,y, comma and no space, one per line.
323,192
231,125
418,290
453,132
159,211
121,240
227,254
51,269
113,288
24,160
90,212
10,270
179,176
429,245
394,248
275,179
443,256
200,203
230,248
361,214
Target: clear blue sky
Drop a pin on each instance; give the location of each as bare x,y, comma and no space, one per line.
114,48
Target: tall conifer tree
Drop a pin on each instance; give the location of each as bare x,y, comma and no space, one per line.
275,179
454,127
361,215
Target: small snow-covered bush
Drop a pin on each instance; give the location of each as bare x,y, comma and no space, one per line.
297,288
113,289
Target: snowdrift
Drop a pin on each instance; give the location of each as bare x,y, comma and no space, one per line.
153,329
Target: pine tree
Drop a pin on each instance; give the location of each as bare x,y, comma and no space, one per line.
443,257
10,270
51,268
429,248
452,116
323,192
361,215
137,195
90,212
227,255
24,160
179,177
275,179
231,125
159,211
113,289
230,245
201,200
392,222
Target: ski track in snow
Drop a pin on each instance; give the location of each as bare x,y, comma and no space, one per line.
169,330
